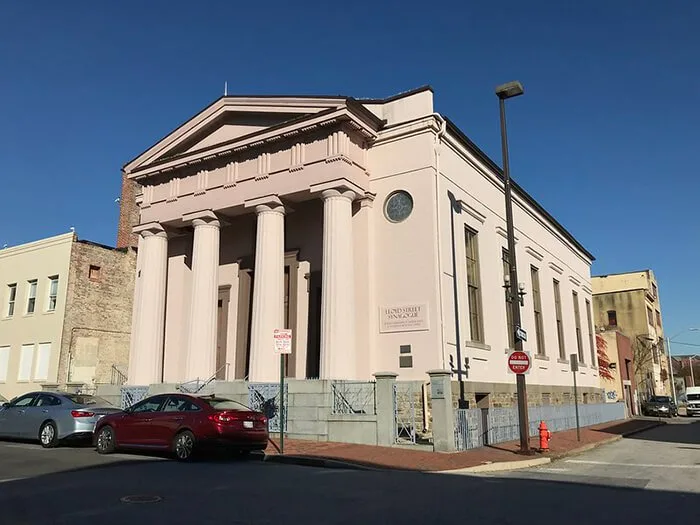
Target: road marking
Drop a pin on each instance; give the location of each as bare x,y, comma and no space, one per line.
643,465
10,479
553,469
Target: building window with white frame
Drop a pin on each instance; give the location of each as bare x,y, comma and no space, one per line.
591,336
4,362
537,307
53,293
11,299
31,296
476,322
559,318
577,318
26,359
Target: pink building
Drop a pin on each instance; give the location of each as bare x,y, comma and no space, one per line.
337,218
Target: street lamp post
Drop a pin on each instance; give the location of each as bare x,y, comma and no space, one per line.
504,92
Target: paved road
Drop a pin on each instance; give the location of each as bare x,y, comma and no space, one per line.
664,458
252,492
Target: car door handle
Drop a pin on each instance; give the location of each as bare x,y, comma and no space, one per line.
178,418
45,411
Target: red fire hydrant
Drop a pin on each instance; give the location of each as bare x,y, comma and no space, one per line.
545,436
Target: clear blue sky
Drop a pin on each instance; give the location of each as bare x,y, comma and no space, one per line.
603,138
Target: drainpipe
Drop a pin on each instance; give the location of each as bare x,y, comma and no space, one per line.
438,141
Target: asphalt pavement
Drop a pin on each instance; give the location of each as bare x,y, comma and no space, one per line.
67,485
663,458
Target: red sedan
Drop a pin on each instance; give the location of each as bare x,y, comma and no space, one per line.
181,423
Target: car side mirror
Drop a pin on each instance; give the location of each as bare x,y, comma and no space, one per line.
5,405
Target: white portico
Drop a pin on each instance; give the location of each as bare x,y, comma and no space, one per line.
374,229
281,161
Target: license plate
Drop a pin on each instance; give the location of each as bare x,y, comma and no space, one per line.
247,424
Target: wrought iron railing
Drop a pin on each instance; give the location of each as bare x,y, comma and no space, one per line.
197,385
118,377
354,397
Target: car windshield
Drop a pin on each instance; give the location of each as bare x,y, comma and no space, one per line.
87,400
661,399
693,397
219,403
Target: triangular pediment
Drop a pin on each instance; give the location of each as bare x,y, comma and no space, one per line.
229,119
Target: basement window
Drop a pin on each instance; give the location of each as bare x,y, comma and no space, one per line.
94,272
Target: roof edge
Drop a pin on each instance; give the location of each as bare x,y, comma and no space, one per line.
483,157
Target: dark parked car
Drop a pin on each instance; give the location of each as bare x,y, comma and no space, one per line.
659,406
182,423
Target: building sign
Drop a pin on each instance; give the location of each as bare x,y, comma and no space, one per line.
403,318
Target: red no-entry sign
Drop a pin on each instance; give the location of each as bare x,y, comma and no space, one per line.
519,362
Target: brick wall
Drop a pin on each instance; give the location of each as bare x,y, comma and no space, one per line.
128,214
97,324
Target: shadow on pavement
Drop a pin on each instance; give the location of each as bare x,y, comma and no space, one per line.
237,492
677,430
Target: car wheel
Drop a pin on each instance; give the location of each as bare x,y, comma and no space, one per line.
48,435
183,445
105,440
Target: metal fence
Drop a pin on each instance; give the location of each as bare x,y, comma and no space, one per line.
406,420
475,427
265,397
131,395
354,397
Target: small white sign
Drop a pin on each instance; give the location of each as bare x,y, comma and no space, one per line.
283,341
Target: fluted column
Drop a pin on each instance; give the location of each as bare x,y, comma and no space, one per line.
268,292
201,350
146,355
338,287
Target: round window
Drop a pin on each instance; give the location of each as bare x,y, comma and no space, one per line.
399,206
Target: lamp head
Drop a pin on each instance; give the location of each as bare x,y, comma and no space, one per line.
509,90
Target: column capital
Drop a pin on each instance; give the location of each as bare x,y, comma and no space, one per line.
203,218
338,193
150,229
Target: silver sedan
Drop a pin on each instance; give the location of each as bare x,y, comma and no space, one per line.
51,417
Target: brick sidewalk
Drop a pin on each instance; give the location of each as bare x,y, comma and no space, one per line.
562,443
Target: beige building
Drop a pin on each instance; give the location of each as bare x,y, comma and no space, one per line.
66,314
629,302
374,229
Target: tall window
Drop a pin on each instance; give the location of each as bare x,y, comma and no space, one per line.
658,318
589,315
560,322
509,313
650,316
473,286
577,317
537,307
31,297
53,293
11,298
612,318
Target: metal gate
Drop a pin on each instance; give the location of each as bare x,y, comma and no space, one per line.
131,395
405,416
265,397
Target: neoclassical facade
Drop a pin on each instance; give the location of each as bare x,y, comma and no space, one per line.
338,218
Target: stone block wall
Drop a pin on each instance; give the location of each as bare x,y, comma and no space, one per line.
97,323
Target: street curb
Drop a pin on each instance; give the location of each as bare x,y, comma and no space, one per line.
308,461
499,466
